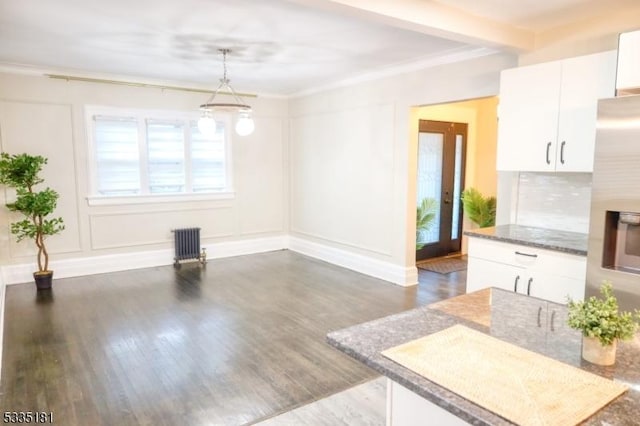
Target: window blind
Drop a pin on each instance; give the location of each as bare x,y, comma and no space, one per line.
117,155
166,156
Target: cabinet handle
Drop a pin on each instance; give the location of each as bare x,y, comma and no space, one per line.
515,284
529,286
539,314
562,151
548,148
553,316
526,254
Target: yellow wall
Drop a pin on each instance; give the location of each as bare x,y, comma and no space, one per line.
484,159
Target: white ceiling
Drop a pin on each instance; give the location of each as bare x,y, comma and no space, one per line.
278,46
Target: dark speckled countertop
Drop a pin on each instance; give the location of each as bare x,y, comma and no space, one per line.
504,315
550,239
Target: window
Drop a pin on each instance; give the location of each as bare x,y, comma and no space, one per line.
139,156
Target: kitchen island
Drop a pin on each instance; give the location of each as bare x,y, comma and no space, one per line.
527,322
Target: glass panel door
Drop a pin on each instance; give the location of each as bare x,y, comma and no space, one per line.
430,150
457,190
441,162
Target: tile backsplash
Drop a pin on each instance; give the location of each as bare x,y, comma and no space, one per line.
554,200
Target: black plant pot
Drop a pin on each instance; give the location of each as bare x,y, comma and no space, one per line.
43,280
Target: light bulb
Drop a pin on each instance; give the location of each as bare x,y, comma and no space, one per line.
206,124
245,124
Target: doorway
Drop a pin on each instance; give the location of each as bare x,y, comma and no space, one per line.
442,150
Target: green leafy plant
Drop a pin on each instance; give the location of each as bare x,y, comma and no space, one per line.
425,215
600,318
479,209
22,173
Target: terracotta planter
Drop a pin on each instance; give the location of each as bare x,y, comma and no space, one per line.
594,352
43,279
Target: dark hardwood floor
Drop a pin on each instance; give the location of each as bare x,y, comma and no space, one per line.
235,342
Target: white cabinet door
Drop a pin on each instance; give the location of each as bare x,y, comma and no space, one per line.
528,117
556,288
531,315
483,273
547,113
406,408
628,61
584,80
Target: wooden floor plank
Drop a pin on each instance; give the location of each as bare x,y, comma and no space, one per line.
239,340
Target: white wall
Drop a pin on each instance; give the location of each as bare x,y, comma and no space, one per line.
352,158
331,169
45,116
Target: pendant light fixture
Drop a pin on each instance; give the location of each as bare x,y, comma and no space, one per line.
207,122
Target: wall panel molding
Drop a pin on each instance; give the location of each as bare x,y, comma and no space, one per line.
213,225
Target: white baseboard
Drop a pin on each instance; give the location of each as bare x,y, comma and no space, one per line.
14,274
404,276
2,293
242,247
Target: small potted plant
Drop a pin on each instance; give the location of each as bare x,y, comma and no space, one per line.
425,215
479,209
602,325
22,173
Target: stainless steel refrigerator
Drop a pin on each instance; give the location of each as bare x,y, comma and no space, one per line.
614,233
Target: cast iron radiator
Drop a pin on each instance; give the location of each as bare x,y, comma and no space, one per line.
187,245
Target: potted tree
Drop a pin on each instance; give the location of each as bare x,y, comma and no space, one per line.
602,325
22,173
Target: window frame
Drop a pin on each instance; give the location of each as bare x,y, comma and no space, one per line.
142,116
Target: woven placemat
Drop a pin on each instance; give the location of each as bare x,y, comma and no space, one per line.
522,386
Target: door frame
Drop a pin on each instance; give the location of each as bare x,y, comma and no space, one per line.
448,175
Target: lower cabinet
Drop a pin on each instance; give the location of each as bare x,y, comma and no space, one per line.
535,324
483,273
555,288
535,272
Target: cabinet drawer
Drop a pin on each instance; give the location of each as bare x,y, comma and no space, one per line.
483,273
532,258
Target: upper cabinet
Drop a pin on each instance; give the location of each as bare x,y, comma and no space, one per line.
628,78
547,113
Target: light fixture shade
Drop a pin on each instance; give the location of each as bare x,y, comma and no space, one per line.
245,124
207,124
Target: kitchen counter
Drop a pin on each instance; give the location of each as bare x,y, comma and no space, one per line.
550,239
504,315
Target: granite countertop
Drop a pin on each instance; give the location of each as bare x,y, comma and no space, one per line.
550,239
501,314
